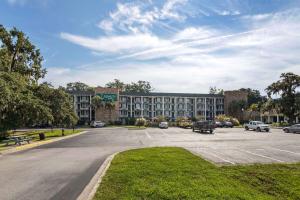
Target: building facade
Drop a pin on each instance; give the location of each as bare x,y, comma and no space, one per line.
170,105
146,105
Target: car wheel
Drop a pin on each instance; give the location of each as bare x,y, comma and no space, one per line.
258,129
193,129
210,131
267,130
286,130
246,128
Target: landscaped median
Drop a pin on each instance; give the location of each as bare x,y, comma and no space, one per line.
175,173
49,135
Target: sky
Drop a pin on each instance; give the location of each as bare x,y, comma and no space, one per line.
176,45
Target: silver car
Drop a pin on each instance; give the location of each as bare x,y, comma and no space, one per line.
163,125
292,129
97,124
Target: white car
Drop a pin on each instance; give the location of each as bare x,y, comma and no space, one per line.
163,125
257,126
97,124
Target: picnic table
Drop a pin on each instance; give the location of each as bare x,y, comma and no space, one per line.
18,139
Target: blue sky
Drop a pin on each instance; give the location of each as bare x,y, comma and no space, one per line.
177,45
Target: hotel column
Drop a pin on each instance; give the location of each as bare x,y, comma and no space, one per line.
131,106
205,108
185,110
163,106
90,108
215,108
195,107
175,107
142,102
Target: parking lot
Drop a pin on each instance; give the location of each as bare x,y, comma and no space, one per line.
232,145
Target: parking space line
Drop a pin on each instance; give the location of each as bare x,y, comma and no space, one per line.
163,132
225,160
285,151
148,135
263,156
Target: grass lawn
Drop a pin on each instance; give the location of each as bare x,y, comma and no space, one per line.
49,135
174,173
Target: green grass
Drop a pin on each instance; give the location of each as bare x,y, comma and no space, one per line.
174,173
49,135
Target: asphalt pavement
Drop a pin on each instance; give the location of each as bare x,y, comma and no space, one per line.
62,169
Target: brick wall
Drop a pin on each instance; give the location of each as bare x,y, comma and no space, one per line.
234,95
104,114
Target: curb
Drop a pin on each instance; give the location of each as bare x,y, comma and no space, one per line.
90,190
36,144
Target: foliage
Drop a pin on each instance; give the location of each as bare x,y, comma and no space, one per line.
97,101
254,96
280,124
225,118
236,108
130,121
175,173
18,104
140,122
286,88
139,87
23,101
215,90
116,83
78,86
198,118
159,119
17,54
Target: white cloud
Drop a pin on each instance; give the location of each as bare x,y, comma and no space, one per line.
138,18
117,44
198,57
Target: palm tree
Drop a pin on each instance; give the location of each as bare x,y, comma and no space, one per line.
97,102
110,106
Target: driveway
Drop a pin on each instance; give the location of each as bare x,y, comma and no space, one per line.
62,169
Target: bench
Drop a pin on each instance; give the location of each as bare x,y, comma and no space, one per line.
18,140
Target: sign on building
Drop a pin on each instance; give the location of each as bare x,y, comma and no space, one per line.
108,97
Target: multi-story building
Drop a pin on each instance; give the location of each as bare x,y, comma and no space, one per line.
170,105
147,105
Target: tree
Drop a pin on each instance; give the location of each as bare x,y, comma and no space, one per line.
236,108
78,86
253,108
138,87
254,96
286,88
18,105
110,106
18,54
59,102
116,84
97,101
214,90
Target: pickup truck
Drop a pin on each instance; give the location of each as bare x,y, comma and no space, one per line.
257,126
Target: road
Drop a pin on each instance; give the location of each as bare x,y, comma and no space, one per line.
62,169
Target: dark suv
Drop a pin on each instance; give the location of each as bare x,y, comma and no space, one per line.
204,126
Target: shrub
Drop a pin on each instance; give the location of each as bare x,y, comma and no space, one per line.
234,121
140,122
130,121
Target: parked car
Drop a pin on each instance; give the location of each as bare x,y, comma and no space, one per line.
97,124
163,125
225,124
219,124
204,126
257,126
292,129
